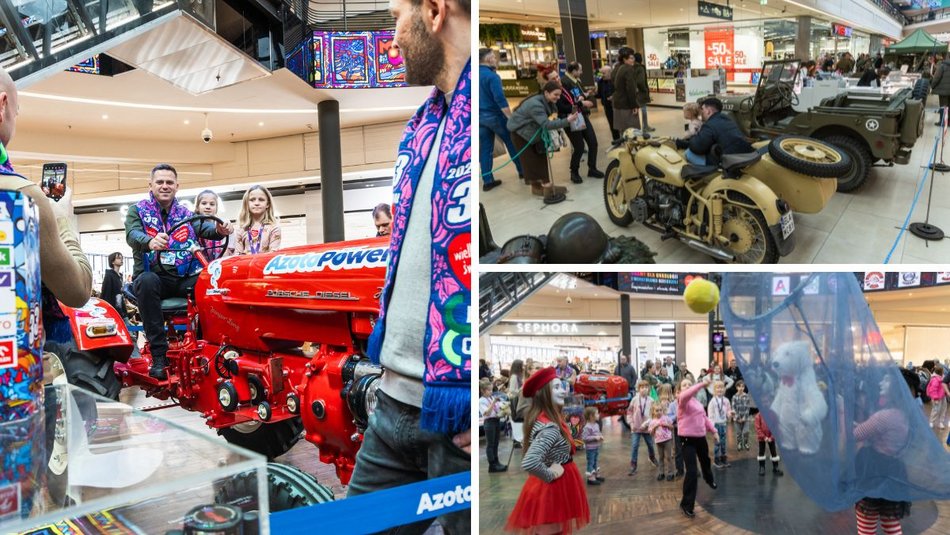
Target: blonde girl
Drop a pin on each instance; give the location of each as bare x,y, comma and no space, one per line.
258,228
206,203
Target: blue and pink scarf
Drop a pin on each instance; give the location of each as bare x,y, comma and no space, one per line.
446,404
180,244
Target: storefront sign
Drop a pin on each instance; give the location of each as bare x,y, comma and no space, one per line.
908,279
715,11
781,285
529,33
598,35
520,88
653,61
841,30
655,283
547,328
720,48
878,280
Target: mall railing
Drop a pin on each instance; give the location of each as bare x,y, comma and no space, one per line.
891,10
500,293
930,16
39,34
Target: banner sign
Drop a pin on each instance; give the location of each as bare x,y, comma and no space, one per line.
874,281
716,11
389,508
720,48
656,283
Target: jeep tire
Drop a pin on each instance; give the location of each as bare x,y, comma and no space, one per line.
861,162
270,440
835,163
87,370
921,90
288,488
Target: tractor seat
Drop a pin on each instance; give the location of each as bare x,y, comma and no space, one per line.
692,172
733,163
174,306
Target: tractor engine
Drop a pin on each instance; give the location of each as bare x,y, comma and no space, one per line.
283,335
609,393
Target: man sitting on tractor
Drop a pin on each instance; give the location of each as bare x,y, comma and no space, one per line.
717,129
161,272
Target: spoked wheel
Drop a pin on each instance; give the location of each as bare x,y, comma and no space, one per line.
748,234
810,157
615,195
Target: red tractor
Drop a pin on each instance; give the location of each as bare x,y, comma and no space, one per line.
268,345
609,393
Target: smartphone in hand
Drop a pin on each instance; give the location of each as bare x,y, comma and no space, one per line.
54,180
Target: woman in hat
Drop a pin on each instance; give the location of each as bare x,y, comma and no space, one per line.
553,499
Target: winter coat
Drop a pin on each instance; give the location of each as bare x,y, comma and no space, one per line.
531,115
625,88
762,431
640,78
940,85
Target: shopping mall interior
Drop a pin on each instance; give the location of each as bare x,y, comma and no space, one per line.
308,99
584,317
693,50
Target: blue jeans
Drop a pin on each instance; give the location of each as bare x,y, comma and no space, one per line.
487,130
720,450
396,451
695,159
636,447
643,112
592,460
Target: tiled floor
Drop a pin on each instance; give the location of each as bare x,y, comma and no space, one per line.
744,503
858,227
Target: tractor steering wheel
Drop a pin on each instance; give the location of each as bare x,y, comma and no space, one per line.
202,253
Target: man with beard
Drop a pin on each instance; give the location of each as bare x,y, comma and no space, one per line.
422,339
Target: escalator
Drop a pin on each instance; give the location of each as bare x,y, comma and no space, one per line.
499,294
196,45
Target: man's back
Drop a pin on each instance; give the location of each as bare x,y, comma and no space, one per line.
492,99
723,131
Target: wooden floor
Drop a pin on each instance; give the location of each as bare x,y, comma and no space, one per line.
743,503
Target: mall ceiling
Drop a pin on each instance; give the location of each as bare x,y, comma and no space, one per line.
927,306
122,106
619,14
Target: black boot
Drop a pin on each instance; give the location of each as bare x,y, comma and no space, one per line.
576,178
775,469
761,468
157,371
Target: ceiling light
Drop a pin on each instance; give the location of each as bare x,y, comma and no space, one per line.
187,121
104,116
260,123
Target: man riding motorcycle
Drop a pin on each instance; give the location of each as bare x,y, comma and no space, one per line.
717,130
147,229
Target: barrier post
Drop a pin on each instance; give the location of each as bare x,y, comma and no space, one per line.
926,230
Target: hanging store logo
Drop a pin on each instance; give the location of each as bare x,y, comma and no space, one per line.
547,328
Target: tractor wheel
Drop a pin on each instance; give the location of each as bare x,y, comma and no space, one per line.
270,440
87,370
921,90
809,156
860,157
288,487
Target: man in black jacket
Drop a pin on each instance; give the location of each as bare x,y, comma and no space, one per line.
717,130
574,98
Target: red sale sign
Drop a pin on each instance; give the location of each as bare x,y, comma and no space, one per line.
720,48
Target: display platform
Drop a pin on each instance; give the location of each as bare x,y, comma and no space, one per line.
128,470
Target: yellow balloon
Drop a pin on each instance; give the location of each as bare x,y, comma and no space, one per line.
701,296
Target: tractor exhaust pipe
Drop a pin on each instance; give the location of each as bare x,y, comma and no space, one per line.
716,252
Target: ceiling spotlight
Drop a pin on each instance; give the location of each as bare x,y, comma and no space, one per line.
187,121
105,116
260,123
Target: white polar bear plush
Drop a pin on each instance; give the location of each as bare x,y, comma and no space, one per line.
799,404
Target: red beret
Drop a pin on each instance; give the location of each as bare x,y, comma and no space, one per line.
537,381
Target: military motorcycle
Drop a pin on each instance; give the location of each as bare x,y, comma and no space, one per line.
739,211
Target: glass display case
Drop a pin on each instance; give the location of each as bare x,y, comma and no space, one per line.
87,464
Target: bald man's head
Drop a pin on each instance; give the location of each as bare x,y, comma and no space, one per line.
9,107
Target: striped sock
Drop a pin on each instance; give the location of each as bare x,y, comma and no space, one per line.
867,523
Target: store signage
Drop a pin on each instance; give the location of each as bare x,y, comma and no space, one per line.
841,30
547,328
873,280
878,280
598,35
908,279
533,34
715,11
720,48
655,283
718,341
781,285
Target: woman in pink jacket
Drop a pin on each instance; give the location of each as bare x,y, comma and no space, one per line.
692,425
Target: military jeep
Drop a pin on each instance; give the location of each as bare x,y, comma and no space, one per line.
869,127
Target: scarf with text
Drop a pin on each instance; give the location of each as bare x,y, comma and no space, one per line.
446,404
180,243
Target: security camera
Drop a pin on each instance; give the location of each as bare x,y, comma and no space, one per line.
569,300
206,135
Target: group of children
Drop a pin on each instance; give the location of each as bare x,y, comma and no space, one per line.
257,229
654,422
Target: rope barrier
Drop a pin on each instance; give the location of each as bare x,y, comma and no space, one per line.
920,187
545,138
381,510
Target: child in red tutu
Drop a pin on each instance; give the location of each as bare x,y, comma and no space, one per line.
553,499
